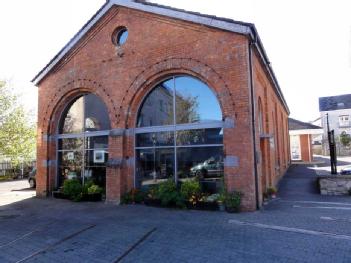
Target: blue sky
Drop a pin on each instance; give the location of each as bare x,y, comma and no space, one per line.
308,42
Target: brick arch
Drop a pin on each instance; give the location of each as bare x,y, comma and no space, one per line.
149,77
67,93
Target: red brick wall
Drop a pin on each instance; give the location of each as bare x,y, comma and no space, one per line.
306,147
274,153
157,47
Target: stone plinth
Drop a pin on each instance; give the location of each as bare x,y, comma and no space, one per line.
334,185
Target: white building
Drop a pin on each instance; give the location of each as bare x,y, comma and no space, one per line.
338,110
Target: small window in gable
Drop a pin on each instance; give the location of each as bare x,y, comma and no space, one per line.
120,36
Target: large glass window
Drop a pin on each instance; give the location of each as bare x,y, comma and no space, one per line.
179,135
83,141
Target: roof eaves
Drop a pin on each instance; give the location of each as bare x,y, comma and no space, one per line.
262,52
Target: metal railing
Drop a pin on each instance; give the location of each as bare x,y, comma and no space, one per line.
16,171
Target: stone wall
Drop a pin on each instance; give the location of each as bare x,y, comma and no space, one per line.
335,185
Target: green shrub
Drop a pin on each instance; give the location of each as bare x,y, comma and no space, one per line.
271,190
126,198
73,189
190,188
95,189
152,191
133,196
233,200
168,194
87,185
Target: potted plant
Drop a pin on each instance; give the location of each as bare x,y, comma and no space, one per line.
265,198
220,202
233,201
272,192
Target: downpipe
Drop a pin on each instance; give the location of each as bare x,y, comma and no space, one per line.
251,43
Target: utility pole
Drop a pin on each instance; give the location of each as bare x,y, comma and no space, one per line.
332,149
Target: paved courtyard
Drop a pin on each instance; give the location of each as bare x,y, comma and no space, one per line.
14,191
298,226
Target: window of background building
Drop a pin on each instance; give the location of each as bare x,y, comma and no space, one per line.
344,120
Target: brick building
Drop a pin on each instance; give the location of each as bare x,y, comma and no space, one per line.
145,92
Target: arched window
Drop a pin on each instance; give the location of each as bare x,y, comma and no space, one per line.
83,141
179,134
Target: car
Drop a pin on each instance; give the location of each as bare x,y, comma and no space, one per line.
346,170
209,168
31,178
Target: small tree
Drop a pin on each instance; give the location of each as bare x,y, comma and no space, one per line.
345,139
17,132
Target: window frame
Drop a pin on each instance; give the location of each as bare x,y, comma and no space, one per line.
174,127
117,34
80,135
343,122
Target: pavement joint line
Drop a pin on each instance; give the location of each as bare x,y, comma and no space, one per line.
323,207
141,240
291,229
41,251
328,218
316,202
26,235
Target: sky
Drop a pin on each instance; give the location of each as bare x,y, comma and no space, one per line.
307,42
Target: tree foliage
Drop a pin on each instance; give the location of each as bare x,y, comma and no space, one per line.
17,133
187,109
345,139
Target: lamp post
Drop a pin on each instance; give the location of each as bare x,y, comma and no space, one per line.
332,149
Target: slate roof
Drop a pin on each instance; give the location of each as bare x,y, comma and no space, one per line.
195,13
335,102
231,25
300,125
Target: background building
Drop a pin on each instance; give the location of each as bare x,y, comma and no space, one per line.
338,109
303,139
144,93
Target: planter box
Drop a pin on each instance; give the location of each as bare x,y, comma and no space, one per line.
152,202
92,197
232,209
59,195
209,206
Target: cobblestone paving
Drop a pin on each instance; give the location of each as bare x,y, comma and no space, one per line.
298,226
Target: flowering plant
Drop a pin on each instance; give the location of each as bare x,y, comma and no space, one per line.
194,199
